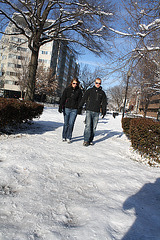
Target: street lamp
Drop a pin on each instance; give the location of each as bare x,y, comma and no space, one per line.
128,76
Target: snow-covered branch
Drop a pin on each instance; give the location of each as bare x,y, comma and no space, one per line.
119,32
153,25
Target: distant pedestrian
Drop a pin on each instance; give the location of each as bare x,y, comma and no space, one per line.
96,101
69,102
115,114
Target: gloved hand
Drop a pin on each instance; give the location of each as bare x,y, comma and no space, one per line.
60,109
79,111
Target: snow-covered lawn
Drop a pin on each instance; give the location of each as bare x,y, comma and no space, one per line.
52,190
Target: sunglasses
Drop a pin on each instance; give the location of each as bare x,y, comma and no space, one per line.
98,83
74,83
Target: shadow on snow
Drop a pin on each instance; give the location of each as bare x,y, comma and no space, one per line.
105,134
146,203
35,127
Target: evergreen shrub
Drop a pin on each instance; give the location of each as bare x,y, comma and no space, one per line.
126,125
144,134
15,111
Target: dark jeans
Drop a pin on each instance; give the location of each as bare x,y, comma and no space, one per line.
91,122
69,120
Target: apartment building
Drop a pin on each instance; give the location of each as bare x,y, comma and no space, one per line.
64,64
15,56
153,107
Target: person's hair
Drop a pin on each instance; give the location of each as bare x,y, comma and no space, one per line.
74,79
98,79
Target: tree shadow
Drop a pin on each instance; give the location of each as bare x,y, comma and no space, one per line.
35,127
146,203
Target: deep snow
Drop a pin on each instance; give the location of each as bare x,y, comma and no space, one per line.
52,190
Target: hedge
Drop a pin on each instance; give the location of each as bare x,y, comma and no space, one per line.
15,111
144,134
126,125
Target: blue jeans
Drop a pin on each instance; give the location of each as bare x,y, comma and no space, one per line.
91,122
69,120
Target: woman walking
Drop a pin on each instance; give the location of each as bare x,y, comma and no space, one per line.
69,102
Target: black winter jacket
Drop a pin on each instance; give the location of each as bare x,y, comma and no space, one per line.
95,98
71,97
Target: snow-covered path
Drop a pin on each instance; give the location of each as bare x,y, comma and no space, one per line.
52,190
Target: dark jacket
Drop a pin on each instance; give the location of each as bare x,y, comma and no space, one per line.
95,99
71,98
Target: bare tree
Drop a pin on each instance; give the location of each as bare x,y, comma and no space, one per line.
116,97
22,73
79,22
46,84
137,34
87,76
146,77
138,37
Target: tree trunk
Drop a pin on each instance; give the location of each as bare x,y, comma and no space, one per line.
145,109
125,98
144,114
32,75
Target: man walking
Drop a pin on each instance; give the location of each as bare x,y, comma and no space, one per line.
96,100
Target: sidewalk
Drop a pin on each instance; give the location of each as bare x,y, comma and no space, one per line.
52,190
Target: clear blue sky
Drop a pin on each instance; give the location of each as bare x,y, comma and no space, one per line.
94,61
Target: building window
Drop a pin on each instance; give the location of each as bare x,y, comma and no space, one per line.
11,65
21,58
155,101
4,57
18,65
16,30
9,82
44,61
11,73
12,56
21,49
45,52
16,39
